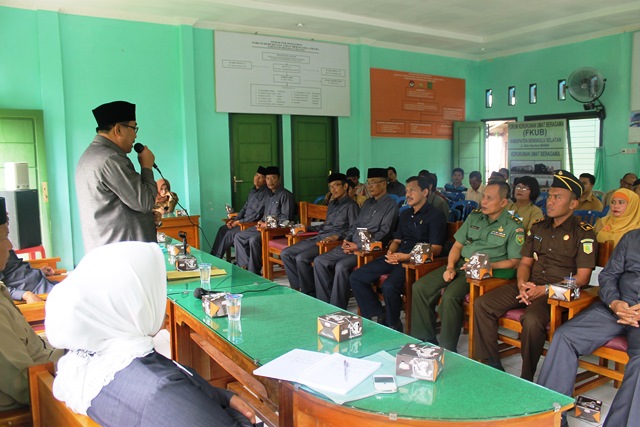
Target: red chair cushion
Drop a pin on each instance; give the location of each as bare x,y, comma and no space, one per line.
279,244
514,314
617,343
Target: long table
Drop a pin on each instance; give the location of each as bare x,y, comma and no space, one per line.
276,319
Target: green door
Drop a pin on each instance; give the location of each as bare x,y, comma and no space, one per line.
255,141
22,140
313,155
468,147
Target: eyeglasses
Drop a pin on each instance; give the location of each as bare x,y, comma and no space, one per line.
375,182
334,186
135,128
522,188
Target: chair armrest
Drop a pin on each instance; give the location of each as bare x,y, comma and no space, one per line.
365,257
587,297
490,284
293,239
271,233
57,277
327,246
246,225
33,312
44,262
420,270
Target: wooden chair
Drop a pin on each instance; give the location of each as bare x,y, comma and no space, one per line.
614,351
59,273
46,410
16,418
274,240
559,311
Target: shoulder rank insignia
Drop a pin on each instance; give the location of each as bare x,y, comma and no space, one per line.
537,221
516,219
586,226
476,211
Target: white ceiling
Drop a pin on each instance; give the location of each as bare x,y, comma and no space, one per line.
473,29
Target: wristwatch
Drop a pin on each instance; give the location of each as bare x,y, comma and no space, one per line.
546,289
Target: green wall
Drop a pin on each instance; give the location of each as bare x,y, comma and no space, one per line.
66,65
611,55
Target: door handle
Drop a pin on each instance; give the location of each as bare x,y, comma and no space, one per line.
235,183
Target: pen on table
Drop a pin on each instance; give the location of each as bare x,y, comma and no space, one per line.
346,366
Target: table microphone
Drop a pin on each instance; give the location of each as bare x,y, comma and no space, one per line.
199,292
139,148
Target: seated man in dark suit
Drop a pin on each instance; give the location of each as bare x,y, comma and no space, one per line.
616,314
341,213
422,223
252,211
24,282
378,215
279,204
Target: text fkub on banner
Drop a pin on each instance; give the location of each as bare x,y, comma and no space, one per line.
537,149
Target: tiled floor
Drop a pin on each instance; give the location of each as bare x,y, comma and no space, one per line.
511,364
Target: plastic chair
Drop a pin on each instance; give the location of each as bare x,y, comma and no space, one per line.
465,207
454,215
599,194
605,211
395,197
318,200
589,216
404,208
31,253
402,201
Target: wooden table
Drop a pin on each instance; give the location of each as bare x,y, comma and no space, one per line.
172,225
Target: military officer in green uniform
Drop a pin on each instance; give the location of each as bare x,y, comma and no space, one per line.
491,230
556,247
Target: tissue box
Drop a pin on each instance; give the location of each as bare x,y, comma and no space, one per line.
422,361
214,305
177,249
421,253
478,267
297,229
271,221
186,262
340,326
562,292
588,409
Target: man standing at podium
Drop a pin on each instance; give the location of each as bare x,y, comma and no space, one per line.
116,202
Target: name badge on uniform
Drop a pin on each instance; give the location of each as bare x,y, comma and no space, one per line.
474,227
498,233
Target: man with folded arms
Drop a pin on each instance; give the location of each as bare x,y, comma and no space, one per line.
251,212
341,213
422,223
492,231
556,247
279,203
378,215
616,314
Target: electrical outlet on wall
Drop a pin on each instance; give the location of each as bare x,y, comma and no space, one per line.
629,150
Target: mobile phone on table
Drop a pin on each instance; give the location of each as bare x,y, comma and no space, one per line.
385,383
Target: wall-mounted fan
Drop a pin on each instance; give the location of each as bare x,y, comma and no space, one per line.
586,85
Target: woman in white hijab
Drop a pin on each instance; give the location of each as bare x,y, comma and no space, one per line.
105,313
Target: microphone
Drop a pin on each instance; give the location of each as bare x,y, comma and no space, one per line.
199,293
139,148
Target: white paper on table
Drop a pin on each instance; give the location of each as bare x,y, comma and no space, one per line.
290,365
319,371
338,374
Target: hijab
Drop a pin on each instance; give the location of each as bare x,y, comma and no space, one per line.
105,313
612,228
